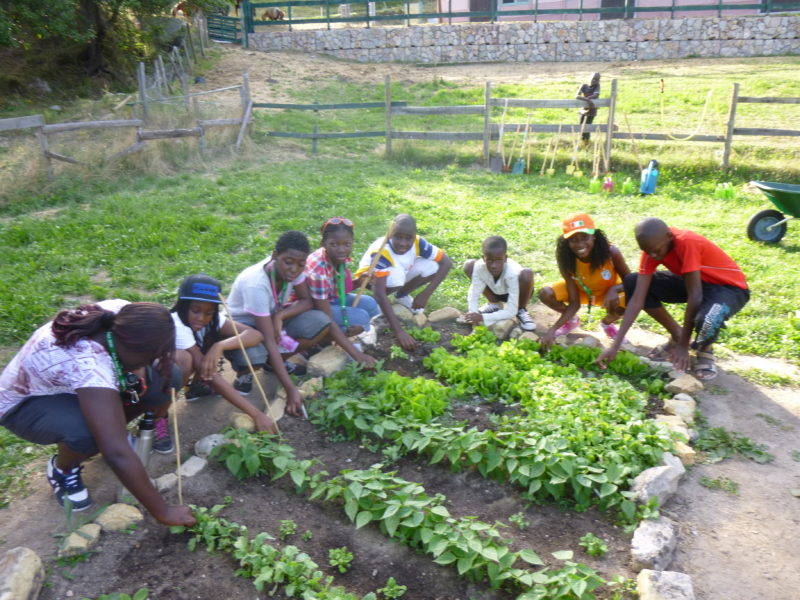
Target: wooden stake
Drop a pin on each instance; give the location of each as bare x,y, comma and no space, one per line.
546,152
633,142
249,364
374,262
177,445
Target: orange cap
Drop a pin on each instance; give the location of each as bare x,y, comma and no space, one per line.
579,222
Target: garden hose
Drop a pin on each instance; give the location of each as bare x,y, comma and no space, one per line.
699,124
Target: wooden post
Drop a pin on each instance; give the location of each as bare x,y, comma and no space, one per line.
487,122
387,109
143,90
188,58
731,121
245,121
196,108
41,136
244,8
244,91
612,107
185,88
190,44
160,66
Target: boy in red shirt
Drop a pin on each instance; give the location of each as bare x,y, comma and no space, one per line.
700,274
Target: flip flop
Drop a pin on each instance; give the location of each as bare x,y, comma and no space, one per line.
661,352
706,363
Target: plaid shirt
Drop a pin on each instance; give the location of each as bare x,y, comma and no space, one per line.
320,276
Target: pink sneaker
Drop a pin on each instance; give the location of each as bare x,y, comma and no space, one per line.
573,323
611,330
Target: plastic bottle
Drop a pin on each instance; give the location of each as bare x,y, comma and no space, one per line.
627,186
649,178
608,184
594,185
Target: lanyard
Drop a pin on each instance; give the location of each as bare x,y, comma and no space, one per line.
278,298
342,300
577,278
115,359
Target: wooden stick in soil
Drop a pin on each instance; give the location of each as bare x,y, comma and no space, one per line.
513,146
544,159
372,264
249,364
633,142
551,170
177,446
528,160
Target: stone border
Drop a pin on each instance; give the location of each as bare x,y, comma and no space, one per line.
563,41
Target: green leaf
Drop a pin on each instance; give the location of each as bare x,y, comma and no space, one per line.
298,477
530,557
445,559
391,509
351,509
465,563
391,525
234,462
563,554
363,518
607,489
441,511
141,594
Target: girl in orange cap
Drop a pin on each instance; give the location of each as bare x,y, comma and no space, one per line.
592,269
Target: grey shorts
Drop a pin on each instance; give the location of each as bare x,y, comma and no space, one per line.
58,418
305,326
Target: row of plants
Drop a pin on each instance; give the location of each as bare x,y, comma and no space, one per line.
404,512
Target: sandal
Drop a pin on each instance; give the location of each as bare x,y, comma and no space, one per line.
661,352
706,367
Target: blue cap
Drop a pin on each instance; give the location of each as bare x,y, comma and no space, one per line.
200,287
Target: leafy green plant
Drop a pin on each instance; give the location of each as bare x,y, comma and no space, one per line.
720,483
795,454
425,334
397,352
519,520
140,594
718,443
307,535
340,558
287,529
392,589
593,545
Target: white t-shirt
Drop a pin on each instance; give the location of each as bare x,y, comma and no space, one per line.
252,294
184,336
507,283
41,368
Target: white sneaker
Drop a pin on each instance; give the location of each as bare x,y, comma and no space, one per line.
369,338
525,320
408,302
490,308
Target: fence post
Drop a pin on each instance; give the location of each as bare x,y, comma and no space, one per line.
487,122
185,90
314,140
41,136
328,14
387,109
612,108
244,92
143,90
188,58
245,9
731,121
450,12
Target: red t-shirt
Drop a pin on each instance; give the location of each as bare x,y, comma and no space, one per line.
692,252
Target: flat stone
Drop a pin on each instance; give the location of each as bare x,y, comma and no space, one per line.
685,453
683,406
80,540
673,461
529,335
420,319
685,384
448,313
403,313
166,482
675,424
588,341
118,517
502,328
311,388
193,466
515,333
664,585
205,445
242,421
653,544
21,574
327,362
656,482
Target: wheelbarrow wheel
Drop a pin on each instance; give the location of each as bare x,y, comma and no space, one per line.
759,222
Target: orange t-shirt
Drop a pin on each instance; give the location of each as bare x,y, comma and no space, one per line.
692,252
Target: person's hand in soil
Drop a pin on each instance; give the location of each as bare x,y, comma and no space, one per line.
547,340
406,341
177,515
293,402
265,423
474,318
680,357
366,361
606,356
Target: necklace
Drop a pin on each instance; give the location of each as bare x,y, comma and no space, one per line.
115,359
278,298
342,300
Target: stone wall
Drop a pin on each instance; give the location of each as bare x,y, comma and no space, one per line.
633,39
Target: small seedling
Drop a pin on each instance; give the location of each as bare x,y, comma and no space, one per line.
593,545
340,558
775,421
795,454
140,594
519,520
287,528
720,483
623,587
307,535
397,352
392,589
425,334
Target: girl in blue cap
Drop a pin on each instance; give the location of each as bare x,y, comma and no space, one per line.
202,334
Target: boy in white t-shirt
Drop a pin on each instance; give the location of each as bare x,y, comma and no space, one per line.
407,263
202,335
500,280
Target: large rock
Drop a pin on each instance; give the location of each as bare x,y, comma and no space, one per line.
515,333
673,461
685,453
653,544
685,384
419,319
166,482
80,540
501,328
192,466
448,313
311,388
327,362
675,424
205,445
683,406
21,574
664,585
656,482
242,421
529,335
589,341
118,517
403,313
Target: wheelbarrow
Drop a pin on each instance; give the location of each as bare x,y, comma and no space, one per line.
770,225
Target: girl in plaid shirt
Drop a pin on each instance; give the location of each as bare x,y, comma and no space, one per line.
329,281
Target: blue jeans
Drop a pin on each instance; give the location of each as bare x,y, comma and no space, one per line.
360,315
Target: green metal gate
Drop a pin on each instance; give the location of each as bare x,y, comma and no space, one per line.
224,29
